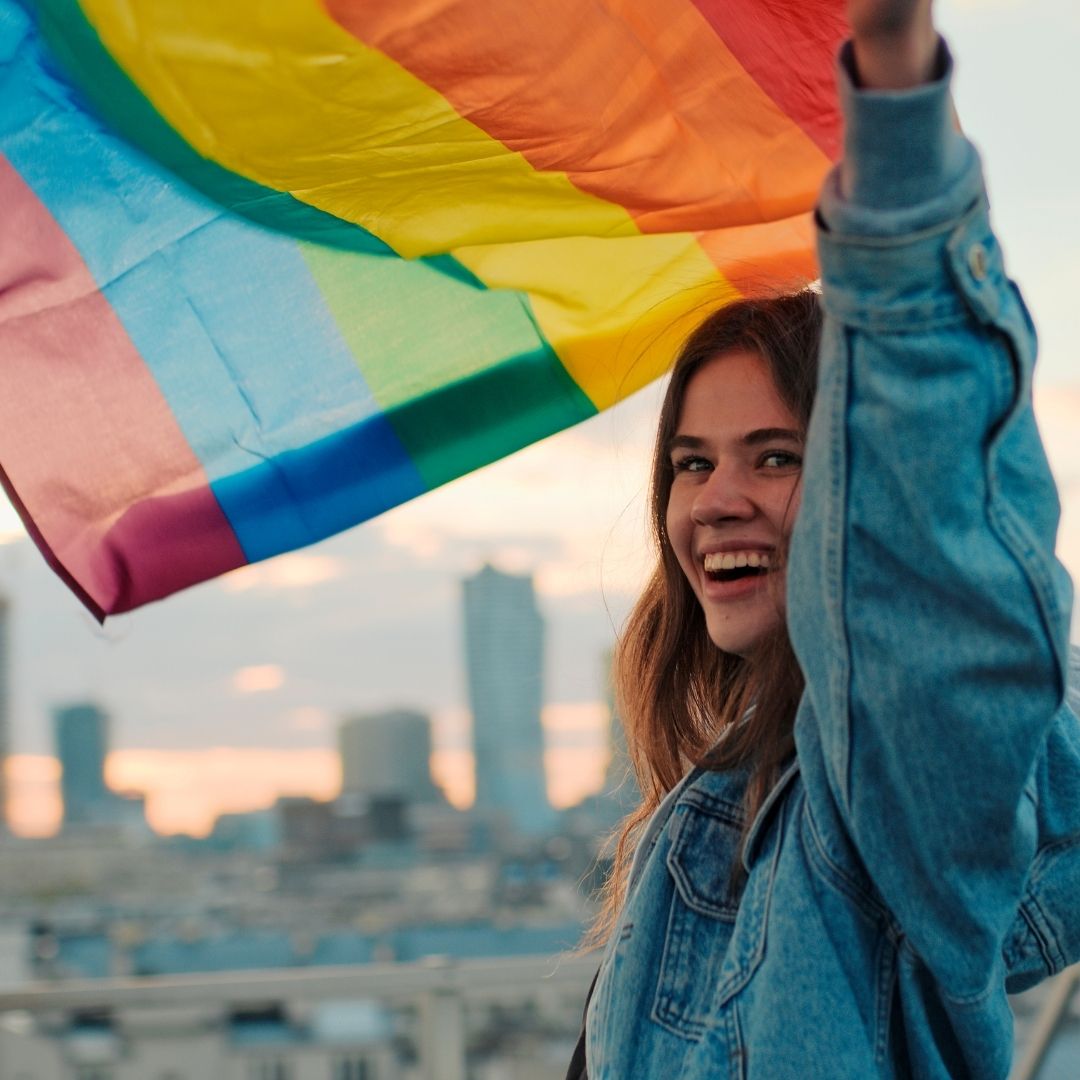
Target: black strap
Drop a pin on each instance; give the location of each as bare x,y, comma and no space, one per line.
577,1070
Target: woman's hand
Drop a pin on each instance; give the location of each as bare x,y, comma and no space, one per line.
895,42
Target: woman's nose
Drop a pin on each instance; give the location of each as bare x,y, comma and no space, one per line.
722,497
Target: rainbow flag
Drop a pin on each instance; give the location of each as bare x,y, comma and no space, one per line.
268,269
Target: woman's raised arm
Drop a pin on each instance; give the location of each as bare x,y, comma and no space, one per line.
925,603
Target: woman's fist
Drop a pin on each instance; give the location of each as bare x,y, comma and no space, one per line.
895,42
886,18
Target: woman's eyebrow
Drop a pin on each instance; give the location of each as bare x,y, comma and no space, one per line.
751,438
770,434
688,442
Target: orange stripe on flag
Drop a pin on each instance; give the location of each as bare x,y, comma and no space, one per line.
648,109
762,260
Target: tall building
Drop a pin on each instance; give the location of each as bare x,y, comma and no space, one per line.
82,740
504,653
387,755
5,706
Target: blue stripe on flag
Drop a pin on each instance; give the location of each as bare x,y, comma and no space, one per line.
225,314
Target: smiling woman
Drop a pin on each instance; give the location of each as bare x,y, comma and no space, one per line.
853,732
707,638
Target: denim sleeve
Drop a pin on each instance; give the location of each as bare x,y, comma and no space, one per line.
925,603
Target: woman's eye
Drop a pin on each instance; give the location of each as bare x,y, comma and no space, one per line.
691,463
780,459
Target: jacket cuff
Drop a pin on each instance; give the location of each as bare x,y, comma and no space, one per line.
905,167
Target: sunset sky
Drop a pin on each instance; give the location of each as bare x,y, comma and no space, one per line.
187,789
228,695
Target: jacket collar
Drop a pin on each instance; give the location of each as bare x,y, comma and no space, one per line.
757,828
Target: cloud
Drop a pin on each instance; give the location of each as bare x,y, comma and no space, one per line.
258,678
589,719
413,534
187,789
311,718
33,789
297,570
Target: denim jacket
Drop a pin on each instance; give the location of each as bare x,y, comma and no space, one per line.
920,857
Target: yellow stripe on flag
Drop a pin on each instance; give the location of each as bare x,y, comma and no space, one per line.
346,129
281,94
614,310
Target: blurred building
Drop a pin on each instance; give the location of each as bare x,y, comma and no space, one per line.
243,1040
387,756
593,823
5,704
254,830
504,646
499,1018
82,740
81,733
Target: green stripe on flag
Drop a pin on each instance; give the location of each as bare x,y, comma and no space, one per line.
462,372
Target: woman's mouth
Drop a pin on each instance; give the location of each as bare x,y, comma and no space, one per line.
731,566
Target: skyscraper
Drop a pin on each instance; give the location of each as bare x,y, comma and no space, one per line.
387,755
5,705
82,739
504,648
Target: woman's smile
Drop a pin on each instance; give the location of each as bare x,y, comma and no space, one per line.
736,457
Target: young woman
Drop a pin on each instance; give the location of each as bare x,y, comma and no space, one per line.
845,686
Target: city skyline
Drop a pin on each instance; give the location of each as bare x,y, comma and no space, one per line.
247,637
263,661
181,787
188,789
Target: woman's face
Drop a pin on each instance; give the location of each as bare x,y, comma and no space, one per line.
736,457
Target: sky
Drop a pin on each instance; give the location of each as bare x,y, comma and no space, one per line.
230,693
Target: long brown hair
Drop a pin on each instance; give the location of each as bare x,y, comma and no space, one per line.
675,690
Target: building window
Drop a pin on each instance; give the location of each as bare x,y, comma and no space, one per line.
353,1068
270,1069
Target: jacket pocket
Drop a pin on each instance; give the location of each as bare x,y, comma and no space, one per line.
715,934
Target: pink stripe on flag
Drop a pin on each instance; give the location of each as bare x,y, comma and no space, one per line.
86,429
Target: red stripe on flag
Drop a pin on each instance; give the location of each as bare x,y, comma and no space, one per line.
788,47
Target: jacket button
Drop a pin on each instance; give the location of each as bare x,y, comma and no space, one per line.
978,262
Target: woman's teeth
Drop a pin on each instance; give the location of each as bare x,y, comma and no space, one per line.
735,560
